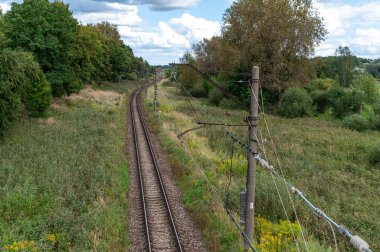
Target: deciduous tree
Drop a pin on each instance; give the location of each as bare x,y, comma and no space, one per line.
277,35
48,31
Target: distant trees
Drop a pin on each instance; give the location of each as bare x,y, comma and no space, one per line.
44,52
374,68
344,64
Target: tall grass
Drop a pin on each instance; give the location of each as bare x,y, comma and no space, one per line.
64,178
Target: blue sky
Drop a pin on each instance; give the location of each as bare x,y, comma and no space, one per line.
162,30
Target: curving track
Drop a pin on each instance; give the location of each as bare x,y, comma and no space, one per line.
160,229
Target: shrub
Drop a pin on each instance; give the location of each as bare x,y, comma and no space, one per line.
22,81
215,96
37,95
198,90
132,76
295,102
351,102
356,122
367,84
321,100
321,84
374,154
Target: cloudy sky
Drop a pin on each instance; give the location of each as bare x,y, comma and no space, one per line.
162,30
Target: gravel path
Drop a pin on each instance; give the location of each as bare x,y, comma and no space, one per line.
190,237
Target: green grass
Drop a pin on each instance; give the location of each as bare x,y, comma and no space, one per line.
331,165
63,179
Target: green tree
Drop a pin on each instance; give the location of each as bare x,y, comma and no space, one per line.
48,31
187,77
91,59
2,35
277,35
374,68
344,66
21,82
110,31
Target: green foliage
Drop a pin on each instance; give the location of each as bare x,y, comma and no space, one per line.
344,64
367,84
37,93
48,31
321,100
198,90
215,96
356,122
350,102
22,82
90,59
321,84
2,35
295,102
276,35
373,68
374,154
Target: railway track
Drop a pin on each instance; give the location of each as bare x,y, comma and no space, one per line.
160,228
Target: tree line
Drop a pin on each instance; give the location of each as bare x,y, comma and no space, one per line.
45,53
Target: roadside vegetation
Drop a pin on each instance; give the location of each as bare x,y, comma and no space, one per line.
64,177
336,168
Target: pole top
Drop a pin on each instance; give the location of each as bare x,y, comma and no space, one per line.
255,72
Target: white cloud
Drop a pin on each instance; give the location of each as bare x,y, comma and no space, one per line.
163,5
195,29
5,6
175,35
118,14
354,25
368,40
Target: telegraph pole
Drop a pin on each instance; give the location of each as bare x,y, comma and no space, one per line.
155,91
253,121
146,84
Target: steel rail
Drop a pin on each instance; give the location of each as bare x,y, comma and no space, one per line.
138,163
155,164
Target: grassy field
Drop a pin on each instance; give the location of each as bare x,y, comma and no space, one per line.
328,163
63,178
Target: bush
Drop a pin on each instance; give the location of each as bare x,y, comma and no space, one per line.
367,84
295,102
374,154
356,122
22,81
321,100
198,90
351,102
215,96
132,76
37,95
321,84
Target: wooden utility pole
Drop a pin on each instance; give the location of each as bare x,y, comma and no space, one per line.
253,121
155,91
146,84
